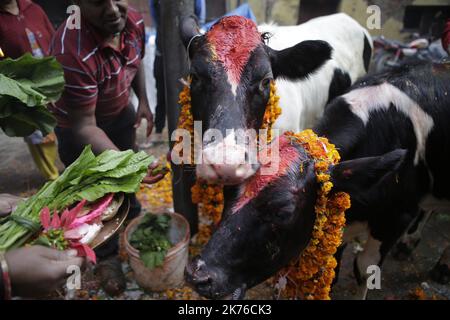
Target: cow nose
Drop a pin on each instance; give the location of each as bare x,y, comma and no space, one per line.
227,164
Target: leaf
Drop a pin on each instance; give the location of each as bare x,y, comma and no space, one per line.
43,75
17,126
153,259
21,91
151,239
27,85
44,120
42,241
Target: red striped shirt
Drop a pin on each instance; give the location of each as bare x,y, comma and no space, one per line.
17,32
97,75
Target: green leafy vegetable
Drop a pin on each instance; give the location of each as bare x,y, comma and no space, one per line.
89,177
151,239
27,85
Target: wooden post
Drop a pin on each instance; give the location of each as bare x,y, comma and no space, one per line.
175,68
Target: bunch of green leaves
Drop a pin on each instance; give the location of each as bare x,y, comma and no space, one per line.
27,85
151,239
89,177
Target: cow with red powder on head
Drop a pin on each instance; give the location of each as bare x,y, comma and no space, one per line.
232,68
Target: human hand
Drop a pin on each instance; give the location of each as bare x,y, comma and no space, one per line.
143,112
8,204
155,173
35,271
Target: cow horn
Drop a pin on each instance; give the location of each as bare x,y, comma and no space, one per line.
189,29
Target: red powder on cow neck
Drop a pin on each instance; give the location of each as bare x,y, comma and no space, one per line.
288,154
234,39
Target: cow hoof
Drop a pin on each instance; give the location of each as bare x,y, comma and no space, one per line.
403,250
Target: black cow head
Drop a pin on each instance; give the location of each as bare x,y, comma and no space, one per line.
231,69
270,221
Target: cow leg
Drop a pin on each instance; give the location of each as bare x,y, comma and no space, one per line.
412,236
338,257
441,271
371,255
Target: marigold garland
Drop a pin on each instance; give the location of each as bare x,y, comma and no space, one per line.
273,111
310,276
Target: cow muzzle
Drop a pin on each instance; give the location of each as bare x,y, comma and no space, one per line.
210,282
227,162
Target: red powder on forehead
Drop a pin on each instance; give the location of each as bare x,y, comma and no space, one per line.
233,39
287,156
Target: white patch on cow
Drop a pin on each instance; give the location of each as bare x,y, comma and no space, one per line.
366,100
302,102
234,86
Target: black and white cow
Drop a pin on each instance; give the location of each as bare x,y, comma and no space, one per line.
232,68
393,133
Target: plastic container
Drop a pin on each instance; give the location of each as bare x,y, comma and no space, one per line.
171,273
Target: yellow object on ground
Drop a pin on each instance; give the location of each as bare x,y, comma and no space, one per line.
44,156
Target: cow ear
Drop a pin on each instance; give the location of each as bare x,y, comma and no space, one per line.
299,61
189,29
360,175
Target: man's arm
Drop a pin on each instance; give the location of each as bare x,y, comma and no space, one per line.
143,111
86,131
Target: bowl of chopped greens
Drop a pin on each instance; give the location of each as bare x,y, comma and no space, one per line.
157,247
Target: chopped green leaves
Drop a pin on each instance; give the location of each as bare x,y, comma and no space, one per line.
151,239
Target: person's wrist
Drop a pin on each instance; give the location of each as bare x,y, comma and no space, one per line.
144,104
5,280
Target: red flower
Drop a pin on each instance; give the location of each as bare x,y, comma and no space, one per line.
64,224
67,217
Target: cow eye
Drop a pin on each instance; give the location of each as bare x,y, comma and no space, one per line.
284,214
264,84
